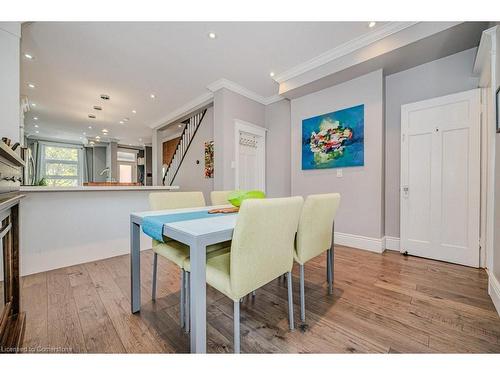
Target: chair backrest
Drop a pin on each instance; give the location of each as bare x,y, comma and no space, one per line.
262,245
171,200
219,197
314,235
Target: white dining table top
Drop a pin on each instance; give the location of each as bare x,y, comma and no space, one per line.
196,227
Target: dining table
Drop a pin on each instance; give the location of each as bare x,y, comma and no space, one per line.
197,233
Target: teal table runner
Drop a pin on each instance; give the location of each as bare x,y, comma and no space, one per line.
153,225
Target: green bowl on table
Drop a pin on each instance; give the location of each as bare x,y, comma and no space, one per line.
238,196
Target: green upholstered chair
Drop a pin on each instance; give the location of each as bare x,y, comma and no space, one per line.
261,250
172,250
219,197
315,236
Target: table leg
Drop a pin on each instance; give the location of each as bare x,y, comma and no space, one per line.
198,305
135,267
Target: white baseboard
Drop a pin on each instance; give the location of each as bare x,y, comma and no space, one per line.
392,243
376,245
494,290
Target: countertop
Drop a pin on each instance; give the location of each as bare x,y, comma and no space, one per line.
93,188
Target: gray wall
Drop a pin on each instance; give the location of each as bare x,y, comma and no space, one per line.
437,78
229,106
191,176
278,149
360,187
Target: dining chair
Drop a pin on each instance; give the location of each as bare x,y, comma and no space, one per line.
315,236
219,197
261,251
174,251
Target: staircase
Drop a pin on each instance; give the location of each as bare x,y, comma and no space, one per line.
190,128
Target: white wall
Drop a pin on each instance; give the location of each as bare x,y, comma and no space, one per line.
361,209
191,176
278,149
496,251
10,34
437,78
229,106
60,229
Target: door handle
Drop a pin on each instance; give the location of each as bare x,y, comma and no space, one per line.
406,190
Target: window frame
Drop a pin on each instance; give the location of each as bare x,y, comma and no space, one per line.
44,161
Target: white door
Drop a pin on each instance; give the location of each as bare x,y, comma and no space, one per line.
250,156
440,178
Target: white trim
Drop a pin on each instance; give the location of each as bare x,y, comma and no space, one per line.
224,83
392,243
494,290
376,245
184,110
240,125
344,49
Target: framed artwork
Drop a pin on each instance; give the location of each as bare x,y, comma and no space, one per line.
209,159
497,99
334,140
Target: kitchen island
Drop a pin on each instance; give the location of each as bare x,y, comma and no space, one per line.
64,226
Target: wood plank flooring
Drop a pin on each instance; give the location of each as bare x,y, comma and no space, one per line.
385,303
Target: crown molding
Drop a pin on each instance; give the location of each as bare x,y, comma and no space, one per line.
190,106
344,49
224,83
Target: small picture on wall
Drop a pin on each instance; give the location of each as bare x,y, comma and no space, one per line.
209,159
497,100
334,140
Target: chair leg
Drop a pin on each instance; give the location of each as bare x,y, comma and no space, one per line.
155,268
188,302
329,267
236,322
302,295
290,302
183,297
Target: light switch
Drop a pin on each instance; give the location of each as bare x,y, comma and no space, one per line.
339,172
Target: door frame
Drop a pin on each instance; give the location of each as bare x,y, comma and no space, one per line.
405,109
259,131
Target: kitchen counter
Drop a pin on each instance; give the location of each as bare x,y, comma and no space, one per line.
94,188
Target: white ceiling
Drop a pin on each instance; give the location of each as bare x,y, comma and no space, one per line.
76,62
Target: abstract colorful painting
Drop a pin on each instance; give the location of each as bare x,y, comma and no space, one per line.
334,140
209,159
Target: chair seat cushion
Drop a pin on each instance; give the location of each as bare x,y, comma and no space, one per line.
178,253
218,265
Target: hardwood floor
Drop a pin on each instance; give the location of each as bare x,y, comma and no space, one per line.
385,303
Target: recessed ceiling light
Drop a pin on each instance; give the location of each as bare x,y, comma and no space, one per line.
104,130
212,35
105,96
179,126
91,143
31,86
134,111
91,116
35,118
84,133
28,56
372,23
97,108
33,104
97,137
152,96
90,127
121,122
130,144
271,74
37,132
36,126
81,138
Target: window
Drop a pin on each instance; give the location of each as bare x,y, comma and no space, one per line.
61,165
127,165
